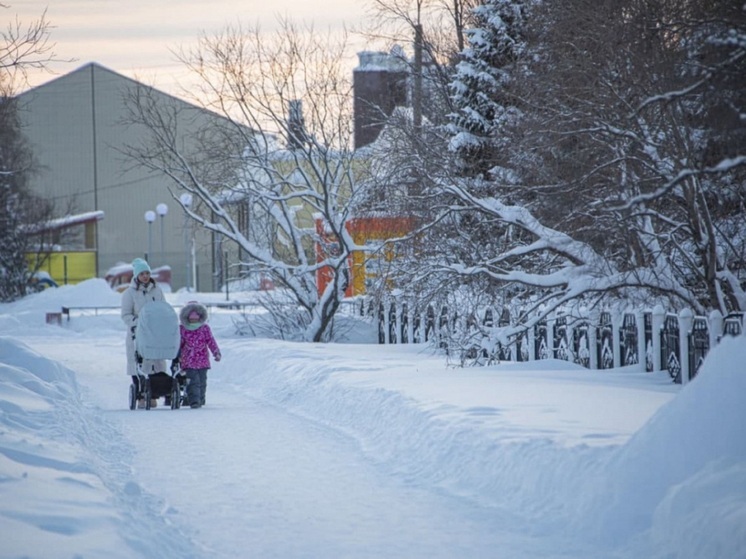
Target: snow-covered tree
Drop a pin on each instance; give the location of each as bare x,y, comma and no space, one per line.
623,180
624,141
483,105
15,163
21,47
253,157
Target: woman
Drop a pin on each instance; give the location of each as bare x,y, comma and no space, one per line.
142,289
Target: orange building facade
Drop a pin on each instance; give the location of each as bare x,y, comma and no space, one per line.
366,266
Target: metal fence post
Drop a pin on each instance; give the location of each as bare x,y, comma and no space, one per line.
686,319
715,327
593,319
641,348
386,324
659,314
616,344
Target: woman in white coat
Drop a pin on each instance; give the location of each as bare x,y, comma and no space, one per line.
142,289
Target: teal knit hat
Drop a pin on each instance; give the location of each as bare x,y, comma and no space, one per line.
139,266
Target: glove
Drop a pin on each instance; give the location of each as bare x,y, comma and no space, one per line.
217,356
174,366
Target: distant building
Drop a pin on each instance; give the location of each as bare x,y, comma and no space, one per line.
384,82
77,125
380,85
64,249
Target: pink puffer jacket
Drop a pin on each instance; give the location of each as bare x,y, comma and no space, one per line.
196,339
194,345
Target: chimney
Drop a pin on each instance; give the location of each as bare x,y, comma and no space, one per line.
380,85
296,126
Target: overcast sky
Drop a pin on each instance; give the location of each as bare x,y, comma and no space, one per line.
136,38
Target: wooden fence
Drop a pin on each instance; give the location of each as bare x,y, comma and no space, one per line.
646,340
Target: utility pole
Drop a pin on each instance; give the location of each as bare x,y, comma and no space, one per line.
417,90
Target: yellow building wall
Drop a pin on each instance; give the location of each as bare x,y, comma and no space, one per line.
66,268
366,267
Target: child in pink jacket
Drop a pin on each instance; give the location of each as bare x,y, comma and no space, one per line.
196,340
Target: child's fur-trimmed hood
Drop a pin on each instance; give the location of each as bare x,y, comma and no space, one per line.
193,306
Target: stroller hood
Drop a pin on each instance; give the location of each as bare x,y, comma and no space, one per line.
157,333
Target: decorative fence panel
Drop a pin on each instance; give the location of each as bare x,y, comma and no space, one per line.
605,341
670,349
699,345
628,340
561,349
644,340
541,345
581,345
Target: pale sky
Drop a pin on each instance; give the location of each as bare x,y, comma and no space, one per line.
136,37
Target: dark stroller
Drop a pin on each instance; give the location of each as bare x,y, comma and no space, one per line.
157,339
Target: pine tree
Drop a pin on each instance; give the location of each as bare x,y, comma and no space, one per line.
22,47
15,165
479,88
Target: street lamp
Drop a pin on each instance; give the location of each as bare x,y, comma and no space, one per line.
186,201
162,210
150,218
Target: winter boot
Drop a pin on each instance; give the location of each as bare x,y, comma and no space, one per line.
153,403
141,404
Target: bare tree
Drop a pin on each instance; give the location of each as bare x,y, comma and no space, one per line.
444,23
438,26
287,175
23,47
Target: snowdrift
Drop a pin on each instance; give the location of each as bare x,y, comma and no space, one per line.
676,489
59,460
676,476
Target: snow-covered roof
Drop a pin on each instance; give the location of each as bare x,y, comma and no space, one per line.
377,61
66,221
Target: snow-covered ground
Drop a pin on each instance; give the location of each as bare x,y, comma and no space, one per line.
358,450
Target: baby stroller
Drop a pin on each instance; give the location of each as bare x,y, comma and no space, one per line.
156,339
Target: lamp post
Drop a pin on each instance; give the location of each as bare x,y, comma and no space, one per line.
186,201
162,210
150,218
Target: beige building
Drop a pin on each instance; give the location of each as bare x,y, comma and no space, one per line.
78,130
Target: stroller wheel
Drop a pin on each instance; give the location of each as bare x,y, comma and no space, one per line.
147,394
133,397
175,396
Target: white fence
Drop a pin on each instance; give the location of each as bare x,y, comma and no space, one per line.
645,340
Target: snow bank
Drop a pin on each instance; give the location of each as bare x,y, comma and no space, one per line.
681,480
65,483
92,292
530,482
677,488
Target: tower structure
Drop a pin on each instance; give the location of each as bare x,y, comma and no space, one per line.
380,85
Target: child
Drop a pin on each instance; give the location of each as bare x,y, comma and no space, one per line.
196,339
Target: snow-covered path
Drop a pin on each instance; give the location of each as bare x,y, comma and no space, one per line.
359,450
298,489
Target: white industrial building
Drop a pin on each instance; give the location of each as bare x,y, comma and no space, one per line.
77,125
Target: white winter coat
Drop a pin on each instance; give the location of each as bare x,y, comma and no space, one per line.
133,299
